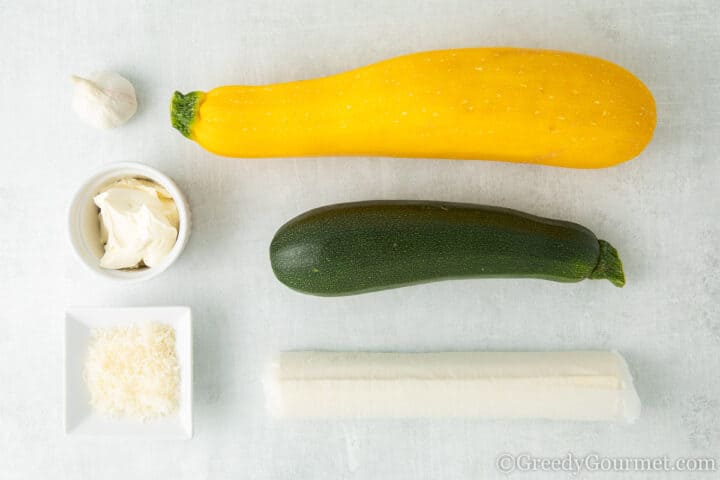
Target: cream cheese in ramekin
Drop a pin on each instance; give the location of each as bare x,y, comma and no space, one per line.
138,223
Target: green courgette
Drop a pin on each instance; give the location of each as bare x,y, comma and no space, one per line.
362,247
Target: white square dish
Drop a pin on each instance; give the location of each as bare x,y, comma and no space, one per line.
80,418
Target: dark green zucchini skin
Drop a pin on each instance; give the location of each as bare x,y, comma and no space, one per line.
361,247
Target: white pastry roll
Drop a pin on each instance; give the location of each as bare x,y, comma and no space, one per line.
585,385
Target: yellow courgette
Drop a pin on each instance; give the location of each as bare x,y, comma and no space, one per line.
517,105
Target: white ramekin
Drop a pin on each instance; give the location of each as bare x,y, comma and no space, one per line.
84,225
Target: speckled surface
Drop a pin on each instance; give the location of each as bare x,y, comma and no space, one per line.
660,211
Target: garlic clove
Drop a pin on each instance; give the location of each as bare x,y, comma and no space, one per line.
104,100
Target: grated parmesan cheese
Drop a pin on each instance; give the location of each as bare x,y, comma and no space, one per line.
133,371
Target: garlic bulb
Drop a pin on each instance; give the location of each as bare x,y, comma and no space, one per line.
104,100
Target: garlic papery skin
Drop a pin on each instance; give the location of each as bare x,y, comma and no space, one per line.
104,99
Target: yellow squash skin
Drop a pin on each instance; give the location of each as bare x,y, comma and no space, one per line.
508,104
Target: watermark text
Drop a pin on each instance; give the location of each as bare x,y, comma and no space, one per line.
593,462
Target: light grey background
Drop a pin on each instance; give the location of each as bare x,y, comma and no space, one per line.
661,211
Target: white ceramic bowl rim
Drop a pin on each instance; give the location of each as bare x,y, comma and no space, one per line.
78,217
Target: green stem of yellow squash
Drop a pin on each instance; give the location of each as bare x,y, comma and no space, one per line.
184,110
